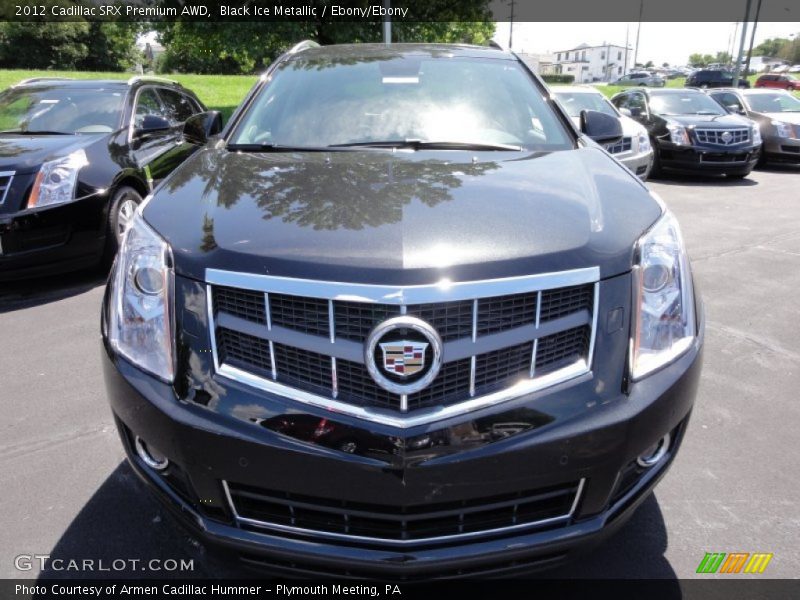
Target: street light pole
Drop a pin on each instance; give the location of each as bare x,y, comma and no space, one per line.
738,65
638,31
752,40
511,26
387,23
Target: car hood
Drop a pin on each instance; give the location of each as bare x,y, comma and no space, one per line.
401,217
709,121
23,153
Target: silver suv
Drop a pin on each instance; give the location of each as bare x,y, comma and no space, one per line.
641,79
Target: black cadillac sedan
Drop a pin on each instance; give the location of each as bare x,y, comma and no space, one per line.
402,319
76,159
690,132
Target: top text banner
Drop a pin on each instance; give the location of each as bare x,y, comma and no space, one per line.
400,10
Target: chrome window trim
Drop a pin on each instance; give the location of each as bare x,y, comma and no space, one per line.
403,295
400,543
10,175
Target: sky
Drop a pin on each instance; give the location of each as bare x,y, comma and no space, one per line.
659,42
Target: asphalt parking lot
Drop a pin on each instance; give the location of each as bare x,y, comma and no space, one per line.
734,488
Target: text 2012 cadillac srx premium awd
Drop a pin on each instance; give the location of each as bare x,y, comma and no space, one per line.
401,319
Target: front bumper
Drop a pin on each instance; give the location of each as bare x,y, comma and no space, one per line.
35,243
738,160
782,149
639,164
208,445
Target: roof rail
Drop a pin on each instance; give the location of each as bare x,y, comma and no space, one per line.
304,45
38,79
138,78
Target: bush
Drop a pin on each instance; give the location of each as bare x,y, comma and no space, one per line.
562,78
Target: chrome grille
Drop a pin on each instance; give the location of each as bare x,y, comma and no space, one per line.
305,339
719,137
624,145
6,177
397,525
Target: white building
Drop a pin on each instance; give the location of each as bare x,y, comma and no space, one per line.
594,63
764,63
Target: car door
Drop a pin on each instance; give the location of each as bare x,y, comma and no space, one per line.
177,108
153,151
729,102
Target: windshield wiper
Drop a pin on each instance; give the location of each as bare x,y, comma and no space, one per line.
429,145
268,147
35,132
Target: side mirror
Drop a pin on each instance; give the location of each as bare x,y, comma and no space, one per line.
636,112
198,128
151,124
735,109
602,128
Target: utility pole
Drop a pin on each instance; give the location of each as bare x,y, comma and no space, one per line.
638,31
752,40
738,65
511,28
387,23
625,64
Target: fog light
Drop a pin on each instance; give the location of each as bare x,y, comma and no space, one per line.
654,453
150,456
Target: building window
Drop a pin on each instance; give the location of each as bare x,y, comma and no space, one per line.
619,70
619,55
559,56
583,55
566,56
602,56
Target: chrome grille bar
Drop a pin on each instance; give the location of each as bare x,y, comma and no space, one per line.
6,178
271,345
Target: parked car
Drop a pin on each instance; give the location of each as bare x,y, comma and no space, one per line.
641,79
714,78
690,132
777,113
411,240
77,157
633,150
782,81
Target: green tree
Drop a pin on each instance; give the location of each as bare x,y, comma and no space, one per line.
723,58
41,45
111,46
770,47
247,47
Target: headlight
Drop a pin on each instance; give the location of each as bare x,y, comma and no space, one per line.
756,134
678,134
55,182
664,324
140,315
782,129
644,142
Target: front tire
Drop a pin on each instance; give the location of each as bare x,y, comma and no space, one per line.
655,170
120,213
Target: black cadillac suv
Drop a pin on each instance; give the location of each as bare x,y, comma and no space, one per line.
76,159
690,132
402,319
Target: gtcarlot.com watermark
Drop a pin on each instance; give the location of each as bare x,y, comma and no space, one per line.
28,562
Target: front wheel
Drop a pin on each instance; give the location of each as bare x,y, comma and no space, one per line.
120,215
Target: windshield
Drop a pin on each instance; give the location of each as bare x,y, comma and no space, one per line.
773,103
575,102
321,102
684,103
59,110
